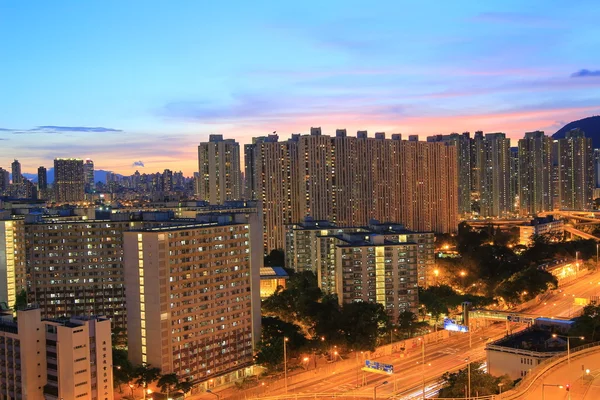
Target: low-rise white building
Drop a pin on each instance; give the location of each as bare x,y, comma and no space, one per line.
540,226
516,355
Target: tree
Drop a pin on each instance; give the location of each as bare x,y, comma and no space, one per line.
21,300
482,384
123,371
167,382
146,374
588,324
407,323
276,258
184,386
362,323
270,347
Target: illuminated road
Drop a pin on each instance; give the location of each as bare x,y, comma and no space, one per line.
446,355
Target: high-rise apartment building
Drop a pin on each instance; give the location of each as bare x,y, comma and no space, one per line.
12,260
17,177
55,359
350,180
575,171
249,176
42,178
494,163
514,177
69,183
370,266
596,168
4,179
535,173
88,175
219,167
310,246
274,175
76,267
193,297
463,144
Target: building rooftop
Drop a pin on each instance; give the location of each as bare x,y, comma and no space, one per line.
273,273
533,339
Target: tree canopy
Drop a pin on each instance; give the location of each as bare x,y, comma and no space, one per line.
482,384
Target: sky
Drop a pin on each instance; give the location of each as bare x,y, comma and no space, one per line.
136,85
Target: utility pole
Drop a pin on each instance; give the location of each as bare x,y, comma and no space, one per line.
285,363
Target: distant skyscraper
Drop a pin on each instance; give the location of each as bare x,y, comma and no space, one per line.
219,167
88,173
514,176
494,167
249,182
575,171
16,172
69,181
597,167
4,179
463,144
535,173
42,178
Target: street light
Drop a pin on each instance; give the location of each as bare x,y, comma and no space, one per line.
285,363
462,275
131,387
500,386
436,273
214,394
547,384
422,339
468,361
375,389
554,335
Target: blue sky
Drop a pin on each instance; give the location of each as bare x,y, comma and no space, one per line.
126,81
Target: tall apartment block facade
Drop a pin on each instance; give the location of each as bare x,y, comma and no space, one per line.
69,182
463,145
575,171
370,266
76,267
55,359
350,180
12,260
535,173
88,175
193,297
310,246
219,170
494,160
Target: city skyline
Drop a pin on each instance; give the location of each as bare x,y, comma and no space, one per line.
115,88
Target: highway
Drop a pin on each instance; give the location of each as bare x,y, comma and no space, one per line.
442,356
445,355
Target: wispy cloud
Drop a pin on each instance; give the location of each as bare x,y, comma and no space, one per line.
61,129
583,73
137,164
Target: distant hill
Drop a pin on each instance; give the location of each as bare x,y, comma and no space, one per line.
590,125
99,175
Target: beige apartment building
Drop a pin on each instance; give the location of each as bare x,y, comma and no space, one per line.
366,266
55,359
193,297
219,178
12,260
310,246
350,180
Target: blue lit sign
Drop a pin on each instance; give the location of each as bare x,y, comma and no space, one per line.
387,368
451,325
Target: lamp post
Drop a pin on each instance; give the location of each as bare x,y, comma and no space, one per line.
375,389
285,363
468,361
436,273
597,244
214,394
500,386
131,387
462,275
554,335
547,384
422,339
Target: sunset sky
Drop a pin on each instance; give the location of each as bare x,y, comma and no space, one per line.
144,82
